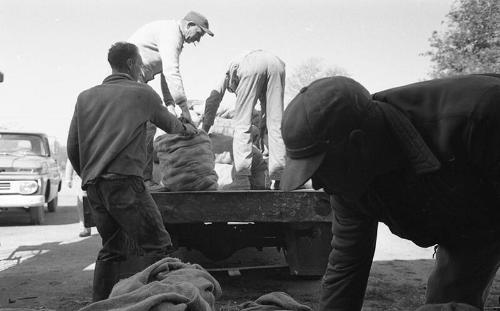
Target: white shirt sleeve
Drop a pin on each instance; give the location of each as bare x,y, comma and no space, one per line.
170,44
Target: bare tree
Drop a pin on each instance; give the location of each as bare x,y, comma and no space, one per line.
308,71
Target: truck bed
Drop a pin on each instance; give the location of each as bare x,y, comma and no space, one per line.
240,206
243,206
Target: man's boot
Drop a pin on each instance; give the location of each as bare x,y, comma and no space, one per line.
134,264
240,182
105,277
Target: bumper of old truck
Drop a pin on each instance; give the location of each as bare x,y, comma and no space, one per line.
19,200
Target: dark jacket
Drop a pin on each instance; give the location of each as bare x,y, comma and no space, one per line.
449,130
108,130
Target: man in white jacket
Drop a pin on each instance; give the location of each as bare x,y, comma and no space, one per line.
160,43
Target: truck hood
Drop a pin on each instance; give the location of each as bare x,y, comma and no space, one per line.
10,163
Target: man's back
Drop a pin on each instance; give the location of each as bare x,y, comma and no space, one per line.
111,121
459,119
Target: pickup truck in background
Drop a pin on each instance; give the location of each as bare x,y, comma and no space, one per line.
29,175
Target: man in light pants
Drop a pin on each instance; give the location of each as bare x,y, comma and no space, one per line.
257,75
160,44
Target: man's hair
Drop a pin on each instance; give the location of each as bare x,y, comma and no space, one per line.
120,52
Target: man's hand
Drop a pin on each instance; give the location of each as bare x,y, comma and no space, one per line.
185,113
190,129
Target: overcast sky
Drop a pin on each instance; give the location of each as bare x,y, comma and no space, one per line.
53,49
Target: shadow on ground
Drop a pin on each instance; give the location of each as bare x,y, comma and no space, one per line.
53,278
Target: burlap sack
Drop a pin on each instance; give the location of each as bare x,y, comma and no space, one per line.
186,163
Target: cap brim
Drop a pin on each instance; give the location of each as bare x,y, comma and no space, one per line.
298,171
206,30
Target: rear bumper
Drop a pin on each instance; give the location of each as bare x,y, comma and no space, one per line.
17,200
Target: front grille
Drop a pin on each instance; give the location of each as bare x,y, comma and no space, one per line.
4,186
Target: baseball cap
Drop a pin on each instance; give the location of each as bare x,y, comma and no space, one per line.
321,115
199,20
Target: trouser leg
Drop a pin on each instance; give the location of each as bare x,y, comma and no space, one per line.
86,231
463,275
349,263
108,228
79,207
105,277
150,135
274,114
145,77
246,98
259,177
125,212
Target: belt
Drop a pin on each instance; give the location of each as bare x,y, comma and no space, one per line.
113,176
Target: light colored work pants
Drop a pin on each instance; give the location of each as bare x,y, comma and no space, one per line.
262,77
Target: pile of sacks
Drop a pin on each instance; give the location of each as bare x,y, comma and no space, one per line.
172,285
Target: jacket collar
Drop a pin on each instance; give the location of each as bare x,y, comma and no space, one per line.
418,153
117,77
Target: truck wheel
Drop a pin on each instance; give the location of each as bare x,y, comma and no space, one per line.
37,215
52,205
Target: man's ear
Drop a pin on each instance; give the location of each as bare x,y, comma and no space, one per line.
130,63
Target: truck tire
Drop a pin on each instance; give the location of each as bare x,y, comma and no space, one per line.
37,215
52,205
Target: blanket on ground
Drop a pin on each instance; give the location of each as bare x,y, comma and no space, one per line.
167,285
171,285
272,302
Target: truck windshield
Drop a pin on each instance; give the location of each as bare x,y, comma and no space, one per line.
22,144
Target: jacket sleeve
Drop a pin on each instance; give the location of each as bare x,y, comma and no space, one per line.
161,117
349,263
72,145
213,101
170,46
167,97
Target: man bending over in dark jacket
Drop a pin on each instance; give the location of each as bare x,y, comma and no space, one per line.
422,158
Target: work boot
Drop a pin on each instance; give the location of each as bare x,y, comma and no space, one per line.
240,182
275,185
133,265
105,277
85,232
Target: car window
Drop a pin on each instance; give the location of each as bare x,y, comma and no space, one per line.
22,144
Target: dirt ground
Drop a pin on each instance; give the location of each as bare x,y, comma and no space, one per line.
49,267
